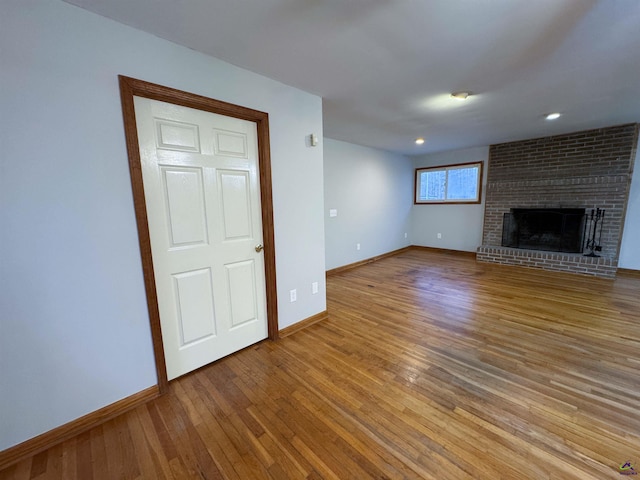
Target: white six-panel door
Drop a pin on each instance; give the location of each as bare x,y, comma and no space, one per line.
200,175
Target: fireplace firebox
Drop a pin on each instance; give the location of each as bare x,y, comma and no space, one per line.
550,229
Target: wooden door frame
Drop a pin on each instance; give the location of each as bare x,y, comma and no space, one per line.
130,87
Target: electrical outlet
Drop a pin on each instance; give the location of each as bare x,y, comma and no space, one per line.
293,295
357,246
405,234
439,235
314,288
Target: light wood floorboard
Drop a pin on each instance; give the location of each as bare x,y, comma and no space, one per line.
429,366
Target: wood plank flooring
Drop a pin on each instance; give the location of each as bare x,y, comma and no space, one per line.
430,366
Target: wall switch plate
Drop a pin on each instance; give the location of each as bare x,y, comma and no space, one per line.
405,234
293,295
439,235
314,288
357,246
333,212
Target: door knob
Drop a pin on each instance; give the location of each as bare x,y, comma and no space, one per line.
259,248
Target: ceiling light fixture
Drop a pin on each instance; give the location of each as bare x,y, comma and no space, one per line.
419,141
552,116
461,95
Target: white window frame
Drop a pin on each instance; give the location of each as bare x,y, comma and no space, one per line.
447,200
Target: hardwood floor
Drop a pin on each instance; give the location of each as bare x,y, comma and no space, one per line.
429,366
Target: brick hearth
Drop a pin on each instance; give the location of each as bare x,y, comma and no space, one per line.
590,169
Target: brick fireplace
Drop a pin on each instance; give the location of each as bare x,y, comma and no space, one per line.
583,170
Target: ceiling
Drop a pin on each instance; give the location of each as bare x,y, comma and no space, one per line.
385,68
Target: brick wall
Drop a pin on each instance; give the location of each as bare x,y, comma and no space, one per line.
590,169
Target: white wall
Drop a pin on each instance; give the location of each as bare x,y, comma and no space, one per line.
460,225
630,247
371,189
75,329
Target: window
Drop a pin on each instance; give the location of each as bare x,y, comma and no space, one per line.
449,184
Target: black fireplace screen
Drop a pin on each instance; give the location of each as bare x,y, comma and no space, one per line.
551,229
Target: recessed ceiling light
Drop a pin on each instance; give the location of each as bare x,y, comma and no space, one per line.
552,116
419,141
461,95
